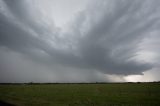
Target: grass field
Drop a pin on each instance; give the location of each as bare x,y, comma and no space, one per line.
126,94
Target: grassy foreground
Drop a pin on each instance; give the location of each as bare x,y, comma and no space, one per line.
126,94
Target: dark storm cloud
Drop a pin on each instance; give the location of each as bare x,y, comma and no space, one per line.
113,40
104,38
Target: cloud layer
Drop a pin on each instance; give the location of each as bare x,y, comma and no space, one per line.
107,37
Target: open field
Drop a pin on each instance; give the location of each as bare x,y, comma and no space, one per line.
125,94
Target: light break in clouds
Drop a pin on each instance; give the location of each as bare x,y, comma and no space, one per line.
79,41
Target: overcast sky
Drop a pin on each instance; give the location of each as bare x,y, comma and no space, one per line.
79,40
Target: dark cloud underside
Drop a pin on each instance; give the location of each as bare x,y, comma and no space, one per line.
108,37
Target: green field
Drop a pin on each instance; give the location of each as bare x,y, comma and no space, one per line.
126,94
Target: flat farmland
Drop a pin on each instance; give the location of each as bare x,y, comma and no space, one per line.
110,94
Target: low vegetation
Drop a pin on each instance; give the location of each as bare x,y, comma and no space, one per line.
120,94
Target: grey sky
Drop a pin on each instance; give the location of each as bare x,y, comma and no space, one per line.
84,41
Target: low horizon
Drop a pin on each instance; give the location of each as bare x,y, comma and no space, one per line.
37,83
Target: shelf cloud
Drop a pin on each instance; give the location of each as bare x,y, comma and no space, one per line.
98,40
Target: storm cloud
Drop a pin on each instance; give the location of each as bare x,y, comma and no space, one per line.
104,40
